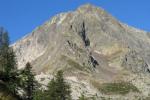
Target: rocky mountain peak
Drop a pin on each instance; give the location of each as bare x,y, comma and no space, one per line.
89,45
89,8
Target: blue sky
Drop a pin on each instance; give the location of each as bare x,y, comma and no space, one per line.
20,17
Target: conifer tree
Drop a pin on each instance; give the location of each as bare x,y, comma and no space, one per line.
7,62
29,82
58,89
39,95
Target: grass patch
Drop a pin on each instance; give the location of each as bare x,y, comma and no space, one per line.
75,64
63,57
80,50
117,88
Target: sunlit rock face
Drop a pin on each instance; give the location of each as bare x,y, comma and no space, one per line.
89,45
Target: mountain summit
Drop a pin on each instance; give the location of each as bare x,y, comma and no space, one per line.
92,48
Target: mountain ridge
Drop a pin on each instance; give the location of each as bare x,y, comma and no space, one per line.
87,4
91,47
80,8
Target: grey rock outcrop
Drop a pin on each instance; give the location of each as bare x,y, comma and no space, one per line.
89,45
134,62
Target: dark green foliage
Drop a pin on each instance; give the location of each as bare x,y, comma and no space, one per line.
118,88
7,56
15,80
7,62
12,78
28,82
5,94
83,97
58,89
4,39
39,95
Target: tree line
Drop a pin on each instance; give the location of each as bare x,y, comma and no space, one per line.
22,83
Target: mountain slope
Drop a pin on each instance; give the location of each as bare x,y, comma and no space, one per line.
90,46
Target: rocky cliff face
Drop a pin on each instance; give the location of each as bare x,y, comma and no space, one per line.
91,47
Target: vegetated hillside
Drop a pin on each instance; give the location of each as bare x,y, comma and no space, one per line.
96,52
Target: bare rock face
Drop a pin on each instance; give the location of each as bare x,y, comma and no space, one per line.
134,62
90,46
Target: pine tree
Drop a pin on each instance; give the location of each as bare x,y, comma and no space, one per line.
7,62
62,86
51,93
4,48
39,95
29,82
58,89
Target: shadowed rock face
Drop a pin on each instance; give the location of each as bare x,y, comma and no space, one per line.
86,43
